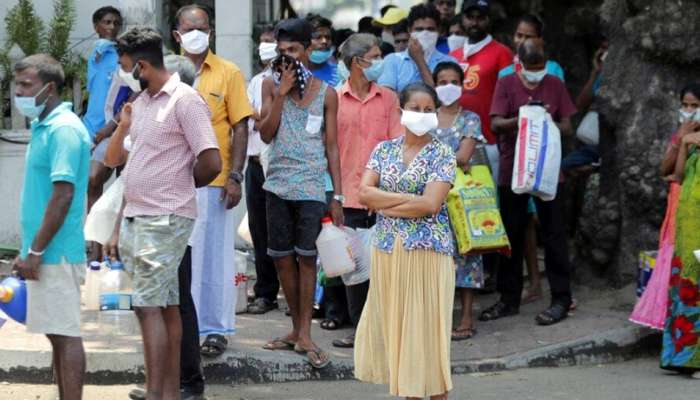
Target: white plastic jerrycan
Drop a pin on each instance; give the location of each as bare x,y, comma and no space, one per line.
334,249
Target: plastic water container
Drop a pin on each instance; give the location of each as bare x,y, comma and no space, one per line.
13,298
334,249
116,316
92,286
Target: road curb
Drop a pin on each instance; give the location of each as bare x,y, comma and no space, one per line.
237,367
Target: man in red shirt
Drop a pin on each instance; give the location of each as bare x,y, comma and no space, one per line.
481,58
529,85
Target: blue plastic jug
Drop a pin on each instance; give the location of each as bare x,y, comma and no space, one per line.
13,298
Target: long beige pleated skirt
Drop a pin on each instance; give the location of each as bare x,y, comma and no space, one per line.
403,338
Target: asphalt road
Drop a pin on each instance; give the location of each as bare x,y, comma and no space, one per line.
634,380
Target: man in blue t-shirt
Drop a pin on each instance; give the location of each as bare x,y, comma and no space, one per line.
321,62
417,63
52,259
103,64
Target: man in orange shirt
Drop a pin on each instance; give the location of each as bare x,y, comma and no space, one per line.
367,115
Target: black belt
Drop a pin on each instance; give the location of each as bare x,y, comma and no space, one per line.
255,159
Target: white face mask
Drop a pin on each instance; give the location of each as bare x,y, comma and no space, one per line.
267,51
128,78
419,123
449,93
455,42
194,42
685,116
427,40
533,76
388,37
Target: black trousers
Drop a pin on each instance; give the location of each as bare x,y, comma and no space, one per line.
267,285
191,373
553,234
348,301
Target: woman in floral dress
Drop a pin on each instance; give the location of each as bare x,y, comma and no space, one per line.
403,338
681,348
461,130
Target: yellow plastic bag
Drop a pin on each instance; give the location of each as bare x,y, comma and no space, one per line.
474,216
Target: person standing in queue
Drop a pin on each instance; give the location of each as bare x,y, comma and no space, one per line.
403,338
299,115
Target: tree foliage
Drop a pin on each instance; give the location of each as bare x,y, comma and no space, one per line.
24,27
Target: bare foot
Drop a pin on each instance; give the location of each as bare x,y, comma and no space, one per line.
530,295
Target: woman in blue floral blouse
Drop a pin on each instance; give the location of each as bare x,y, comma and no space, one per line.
403,338
461,130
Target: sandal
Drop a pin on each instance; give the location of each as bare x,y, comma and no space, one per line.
552,315
214,345
330,324
498,310
463,334
279,344
316,357
345,343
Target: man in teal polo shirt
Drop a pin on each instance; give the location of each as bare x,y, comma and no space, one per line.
52,259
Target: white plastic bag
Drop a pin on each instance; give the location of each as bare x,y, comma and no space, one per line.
265,158
360,242
244,231
588,130
537,154
102,217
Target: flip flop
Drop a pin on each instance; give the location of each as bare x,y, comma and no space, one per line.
316,357
279,344
463,334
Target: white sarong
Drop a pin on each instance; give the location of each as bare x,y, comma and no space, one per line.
213,266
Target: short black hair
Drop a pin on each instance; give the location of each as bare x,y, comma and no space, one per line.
400,27
417,87
692,88
456,20
318,21
533,20
48,69
445,65
364,25
383,10
191,7
142,43
267,28
421,11
102,11
294,30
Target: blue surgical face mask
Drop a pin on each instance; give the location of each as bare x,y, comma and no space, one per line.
320,56
27,105
533,76
374,71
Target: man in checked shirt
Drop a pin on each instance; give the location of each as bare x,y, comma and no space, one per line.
174,149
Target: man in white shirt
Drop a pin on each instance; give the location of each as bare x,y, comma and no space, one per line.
266,285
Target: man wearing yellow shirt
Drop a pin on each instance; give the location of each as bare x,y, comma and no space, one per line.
211,252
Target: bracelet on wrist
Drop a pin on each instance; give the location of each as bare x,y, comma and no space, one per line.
35,253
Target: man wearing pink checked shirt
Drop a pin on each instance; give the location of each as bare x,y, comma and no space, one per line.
174,150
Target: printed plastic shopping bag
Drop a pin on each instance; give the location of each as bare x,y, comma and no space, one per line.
537,154
474,216
588,130
100,221
360,243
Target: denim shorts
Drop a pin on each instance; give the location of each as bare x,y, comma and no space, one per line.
293,226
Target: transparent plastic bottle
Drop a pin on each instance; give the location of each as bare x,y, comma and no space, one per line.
116,317
334,249
92,286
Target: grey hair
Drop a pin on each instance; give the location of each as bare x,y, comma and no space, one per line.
357,45
183,66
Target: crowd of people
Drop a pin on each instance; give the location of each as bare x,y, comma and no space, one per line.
369,128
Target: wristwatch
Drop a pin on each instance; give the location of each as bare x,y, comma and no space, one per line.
236,177
35,253
339,198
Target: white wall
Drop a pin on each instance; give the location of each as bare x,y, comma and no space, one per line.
11,179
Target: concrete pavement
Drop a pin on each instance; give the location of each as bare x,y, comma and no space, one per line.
597,332
634,380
